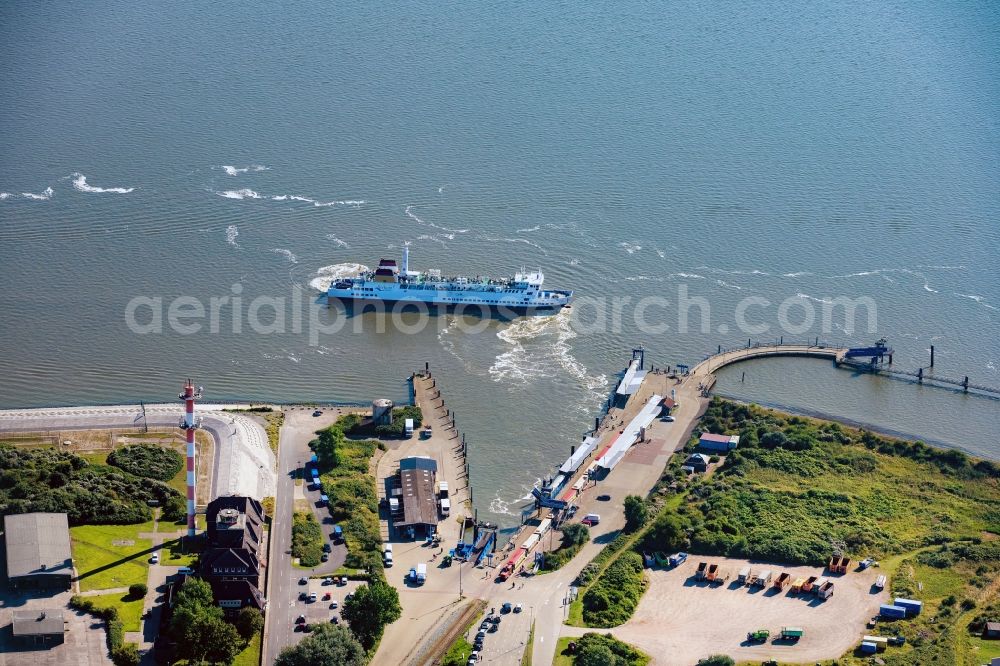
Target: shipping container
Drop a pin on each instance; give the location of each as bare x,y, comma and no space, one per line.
891,611
543,527
810,582
781,581
797,585
820,582
880,582
868,648
744,575
825,591
531,542
912,606
792,633
702,568
764,578
713,570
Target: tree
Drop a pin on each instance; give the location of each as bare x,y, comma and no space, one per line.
667,533
717,660
575,534
327,645
636,513
137,590
595,655
126,654
199,628
371,608
326,447
249,622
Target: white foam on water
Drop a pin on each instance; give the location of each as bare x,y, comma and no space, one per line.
5,195
660,253
942,268
574,262
336,240
731,272
434,239
44,196
327,274
538,347
978,299
516,240
80,185
232,231
990,365
233,171
286,253
723,283
795,275
687,276
500,506
529,229
413,216
631,248
813,298
279,197
244,193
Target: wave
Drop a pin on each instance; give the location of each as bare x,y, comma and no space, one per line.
516,240
731,272
723,283
661,254
336,240
433,239
631,248
80,185
413,216
5,195
44,196
795,275
327,274
538,348
245,193
813,298
286,253
232,231
978,299
528,229
688,276
233,171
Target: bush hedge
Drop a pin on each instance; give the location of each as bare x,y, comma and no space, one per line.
307,539
147,460
122,653
617,652
612,598
48,480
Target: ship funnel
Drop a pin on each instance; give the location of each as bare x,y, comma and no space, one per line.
405,266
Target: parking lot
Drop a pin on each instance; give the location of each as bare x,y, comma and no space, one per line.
319,611
505,635
85,642
680,620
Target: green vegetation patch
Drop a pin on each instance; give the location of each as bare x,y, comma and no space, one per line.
307,539
48,480
612,598
129,609
593,649
147,460
344,465
110,556
356,424
574,537
796,483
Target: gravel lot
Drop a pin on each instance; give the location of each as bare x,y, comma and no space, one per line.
680,620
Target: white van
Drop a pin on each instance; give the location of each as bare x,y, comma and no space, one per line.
446,507
387,554
409,429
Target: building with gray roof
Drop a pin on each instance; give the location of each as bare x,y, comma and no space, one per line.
34,628
38,551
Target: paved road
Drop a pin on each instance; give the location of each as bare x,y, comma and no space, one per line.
282,584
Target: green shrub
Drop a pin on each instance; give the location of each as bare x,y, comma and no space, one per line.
126,655
606,650
612,598
147,460
307,539
137,590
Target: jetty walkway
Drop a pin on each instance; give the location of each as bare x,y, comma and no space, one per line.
726,357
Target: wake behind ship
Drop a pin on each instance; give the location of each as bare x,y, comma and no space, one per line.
391,284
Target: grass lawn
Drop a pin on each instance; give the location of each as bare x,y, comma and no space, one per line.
101,564
251,654
561,647
129,610
173,554
983,651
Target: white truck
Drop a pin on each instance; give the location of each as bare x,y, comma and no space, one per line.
445,507
408,431
421,573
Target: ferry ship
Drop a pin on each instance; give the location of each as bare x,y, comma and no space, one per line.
390,283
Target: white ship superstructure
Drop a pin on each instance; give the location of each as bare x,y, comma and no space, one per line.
391,284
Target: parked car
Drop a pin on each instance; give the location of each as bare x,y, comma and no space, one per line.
303,581
604,498
325,557
668,418
185,571
328,581
318,412
517,608
507,607
333,604
327,548
155,559
301,619
312,597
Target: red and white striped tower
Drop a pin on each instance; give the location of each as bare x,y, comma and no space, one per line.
189,425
